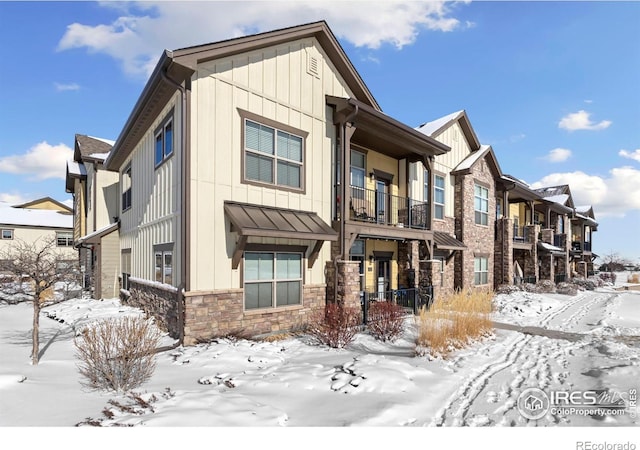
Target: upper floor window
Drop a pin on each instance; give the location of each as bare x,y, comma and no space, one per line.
272,279
7,234
438,197
164,141
64,239
126,188
481,205
273,156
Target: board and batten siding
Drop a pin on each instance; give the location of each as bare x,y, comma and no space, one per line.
273,83
452,136
154,216
110,265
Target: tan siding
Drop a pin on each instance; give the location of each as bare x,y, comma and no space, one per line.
272,83
154,217
110,265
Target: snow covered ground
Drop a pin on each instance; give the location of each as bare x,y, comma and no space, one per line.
551,342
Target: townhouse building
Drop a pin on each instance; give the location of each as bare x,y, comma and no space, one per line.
95,194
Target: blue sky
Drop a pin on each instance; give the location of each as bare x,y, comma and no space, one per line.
554,87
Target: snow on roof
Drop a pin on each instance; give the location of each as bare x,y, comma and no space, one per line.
106,141
562,198
583,209
103,230
35,217
76,168
470,160
549,247
429,128
99,156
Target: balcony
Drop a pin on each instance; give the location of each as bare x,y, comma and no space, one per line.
381,208
578,246
559,240
521,234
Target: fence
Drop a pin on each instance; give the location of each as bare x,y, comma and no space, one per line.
410,299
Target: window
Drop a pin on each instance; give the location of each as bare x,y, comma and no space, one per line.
273,156
426,186
438,197
7,234
126,188
64,239
164,142
163,263
481,270
272,279
125,259
481,205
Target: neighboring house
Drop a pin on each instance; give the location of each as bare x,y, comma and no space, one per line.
95,227
230,167
463,187
583,225
37,222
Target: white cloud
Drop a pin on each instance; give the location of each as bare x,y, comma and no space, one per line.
137,37
558,155
40,162
580,121
613,195
60,87
631,155
12,198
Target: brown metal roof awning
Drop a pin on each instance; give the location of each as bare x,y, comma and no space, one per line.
444,241
267,221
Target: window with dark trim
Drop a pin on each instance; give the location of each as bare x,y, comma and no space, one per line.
126,188
273,156
272,279
7,233
481,205
125,260
64,239
164,141
163,263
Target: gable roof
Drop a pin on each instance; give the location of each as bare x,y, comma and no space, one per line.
88,147
41,204
485,152
558,194
435,127
179,65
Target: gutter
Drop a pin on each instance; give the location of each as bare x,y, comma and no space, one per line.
183,216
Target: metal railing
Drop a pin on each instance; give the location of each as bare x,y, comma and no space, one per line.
558,240
385,209
561,278
581,246
410,299
521,234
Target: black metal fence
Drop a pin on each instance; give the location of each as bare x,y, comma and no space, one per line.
410,299
385,209
560,278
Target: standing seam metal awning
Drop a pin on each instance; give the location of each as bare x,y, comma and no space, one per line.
443,241
267,221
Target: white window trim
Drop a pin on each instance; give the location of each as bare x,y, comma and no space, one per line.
163,268
162,133
10,230
482,213
481,272
67,236
127,172
444,196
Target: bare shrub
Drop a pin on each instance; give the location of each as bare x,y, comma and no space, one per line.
385,320
634,278
566,289
335,326
117,354
608,277
454,322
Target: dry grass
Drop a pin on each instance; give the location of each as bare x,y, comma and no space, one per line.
454,322
634,278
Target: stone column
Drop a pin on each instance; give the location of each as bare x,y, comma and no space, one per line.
429,275
347,279
503,262
547,236
531,259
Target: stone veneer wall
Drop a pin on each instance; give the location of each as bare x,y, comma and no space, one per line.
157,300
479,239
503,250
348,280
408,259
219,313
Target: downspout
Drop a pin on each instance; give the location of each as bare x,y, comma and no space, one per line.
183,215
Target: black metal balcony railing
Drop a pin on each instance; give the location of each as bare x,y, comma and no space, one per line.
560,278
521,234
385,209
581,246
558,240
410,299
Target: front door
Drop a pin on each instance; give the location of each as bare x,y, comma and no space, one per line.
383,277
382,211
